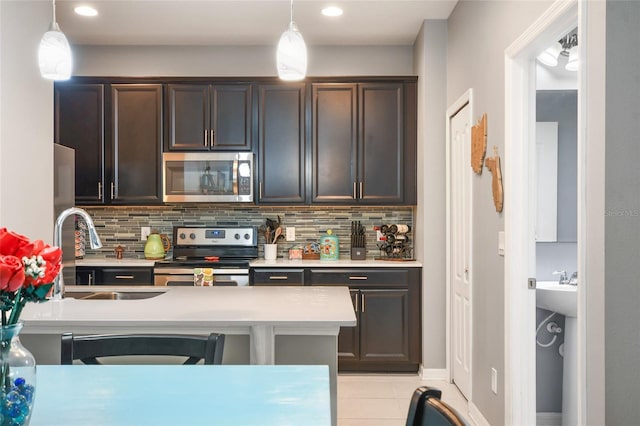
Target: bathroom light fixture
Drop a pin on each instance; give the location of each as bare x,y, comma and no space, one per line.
292,53
567,47
85,11
54,53
332,11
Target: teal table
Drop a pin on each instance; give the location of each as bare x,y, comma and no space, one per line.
182,395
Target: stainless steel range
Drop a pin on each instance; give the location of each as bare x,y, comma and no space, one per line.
227,251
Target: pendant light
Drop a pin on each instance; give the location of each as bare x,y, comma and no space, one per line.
292,53
54,53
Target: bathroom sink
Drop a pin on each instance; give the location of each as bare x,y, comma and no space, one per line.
114,295
560,298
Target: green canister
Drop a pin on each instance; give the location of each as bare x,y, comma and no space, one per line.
329,247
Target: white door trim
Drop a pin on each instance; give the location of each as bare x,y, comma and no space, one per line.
520,378
466,98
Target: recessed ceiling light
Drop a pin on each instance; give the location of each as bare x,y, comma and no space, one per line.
332,11
86,11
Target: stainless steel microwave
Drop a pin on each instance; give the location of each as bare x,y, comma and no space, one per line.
207,177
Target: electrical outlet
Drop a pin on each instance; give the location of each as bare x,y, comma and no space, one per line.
290,233
144,232
494,381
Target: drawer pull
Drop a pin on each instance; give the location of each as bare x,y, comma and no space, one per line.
357,277
90,279
124,277
278,277
363,303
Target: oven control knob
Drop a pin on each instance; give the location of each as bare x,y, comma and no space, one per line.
182,236
192,236
247,236
237,236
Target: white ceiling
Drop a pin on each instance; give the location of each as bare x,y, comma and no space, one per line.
247,22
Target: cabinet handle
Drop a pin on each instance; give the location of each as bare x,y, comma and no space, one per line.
113,190
99,190
278,277
260,190
361,189
213,137
90,280
206,137
356,277
355,193
363,303
357,303
124,277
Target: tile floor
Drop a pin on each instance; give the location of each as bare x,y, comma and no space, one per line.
383,400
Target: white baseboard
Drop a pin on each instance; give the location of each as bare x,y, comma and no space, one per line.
476,416
548,419
434,374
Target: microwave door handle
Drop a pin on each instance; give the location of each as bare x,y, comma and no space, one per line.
235,178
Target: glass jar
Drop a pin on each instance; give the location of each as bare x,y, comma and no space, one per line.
17,378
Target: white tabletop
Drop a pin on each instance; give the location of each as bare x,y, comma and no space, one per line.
158,395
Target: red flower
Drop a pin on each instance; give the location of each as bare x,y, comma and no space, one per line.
11,242
11,273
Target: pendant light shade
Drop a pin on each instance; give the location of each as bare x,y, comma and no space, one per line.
54,53
550,56
292,53
574,61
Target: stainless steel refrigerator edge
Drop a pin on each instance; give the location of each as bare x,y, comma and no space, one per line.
64,195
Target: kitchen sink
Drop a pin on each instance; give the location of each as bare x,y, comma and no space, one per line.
114,295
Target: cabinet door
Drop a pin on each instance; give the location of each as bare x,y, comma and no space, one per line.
188,117
348,338
334,143
282,156
230,118
85,276
384,325
381,143
79,124
136,127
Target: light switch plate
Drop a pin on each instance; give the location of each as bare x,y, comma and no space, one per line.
144,232
290,233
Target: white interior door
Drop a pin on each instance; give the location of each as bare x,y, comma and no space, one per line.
460,247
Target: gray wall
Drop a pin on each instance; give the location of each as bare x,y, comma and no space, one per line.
561,106
430,64
237,60
479,32
622,214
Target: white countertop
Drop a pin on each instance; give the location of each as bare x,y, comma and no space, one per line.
113,262
198,308
340,263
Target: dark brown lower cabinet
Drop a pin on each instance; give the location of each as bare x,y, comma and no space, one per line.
387,337
134,275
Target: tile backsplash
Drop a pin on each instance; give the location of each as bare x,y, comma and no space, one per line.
121,225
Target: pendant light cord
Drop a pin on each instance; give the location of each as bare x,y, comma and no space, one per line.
291,11
54,12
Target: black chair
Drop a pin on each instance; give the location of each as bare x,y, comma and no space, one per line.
88,348
426,409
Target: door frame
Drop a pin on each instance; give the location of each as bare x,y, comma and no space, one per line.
520,377
461,102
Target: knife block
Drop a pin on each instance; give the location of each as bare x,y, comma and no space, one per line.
358,253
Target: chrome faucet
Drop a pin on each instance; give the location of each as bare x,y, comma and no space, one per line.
94,242
574,279
563,277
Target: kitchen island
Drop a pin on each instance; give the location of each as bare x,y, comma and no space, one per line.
284,325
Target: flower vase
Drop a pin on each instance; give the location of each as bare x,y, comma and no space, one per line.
18,378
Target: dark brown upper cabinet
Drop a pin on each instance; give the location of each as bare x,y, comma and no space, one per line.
79,124
116,131
209,117
282,155
363,144
136,148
